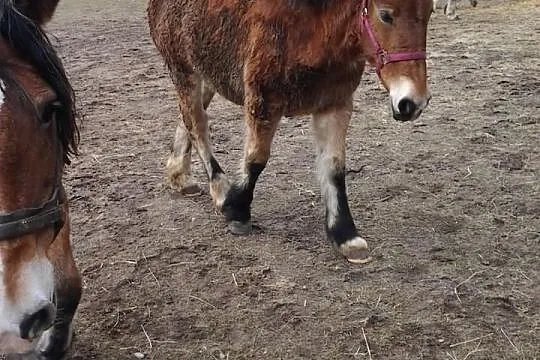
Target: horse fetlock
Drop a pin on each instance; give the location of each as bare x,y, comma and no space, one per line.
356,251
237,204
237,207
177,174
219,188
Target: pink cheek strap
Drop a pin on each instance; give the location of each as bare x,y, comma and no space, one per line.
383,57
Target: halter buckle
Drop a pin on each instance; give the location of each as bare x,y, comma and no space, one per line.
383,57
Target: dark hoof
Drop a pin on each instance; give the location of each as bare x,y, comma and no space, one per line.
240,228
356,251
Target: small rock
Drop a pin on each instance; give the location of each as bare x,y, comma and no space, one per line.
139,355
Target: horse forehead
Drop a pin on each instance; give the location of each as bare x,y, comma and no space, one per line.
29,80
22,73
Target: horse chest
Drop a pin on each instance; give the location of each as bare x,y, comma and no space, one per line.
306,89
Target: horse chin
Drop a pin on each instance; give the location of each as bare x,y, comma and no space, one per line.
12,344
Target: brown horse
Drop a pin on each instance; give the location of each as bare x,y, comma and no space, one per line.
40,286
287,57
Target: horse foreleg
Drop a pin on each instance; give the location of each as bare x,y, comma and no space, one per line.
330,132
260,128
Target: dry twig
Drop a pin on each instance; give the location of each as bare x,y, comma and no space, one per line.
510,341
147,337
469,341
203,301
465,281
367,344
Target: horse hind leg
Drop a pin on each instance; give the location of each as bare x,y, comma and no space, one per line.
178,168
193,97
208,93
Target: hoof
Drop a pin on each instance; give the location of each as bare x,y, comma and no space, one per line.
240,228
356,251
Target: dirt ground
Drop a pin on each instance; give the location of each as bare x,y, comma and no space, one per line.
450,206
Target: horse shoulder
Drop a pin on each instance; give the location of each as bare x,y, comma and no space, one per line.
302,61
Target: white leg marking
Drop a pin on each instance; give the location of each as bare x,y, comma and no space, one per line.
178,167
218,190
328,189
330,131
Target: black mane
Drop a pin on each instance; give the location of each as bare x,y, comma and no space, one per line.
33,46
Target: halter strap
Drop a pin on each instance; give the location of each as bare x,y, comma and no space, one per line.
26,221
383,57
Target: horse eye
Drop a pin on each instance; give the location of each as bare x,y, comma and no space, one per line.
50,111
386,17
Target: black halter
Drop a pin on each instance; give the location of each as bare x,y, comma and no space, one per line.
28,220
25,221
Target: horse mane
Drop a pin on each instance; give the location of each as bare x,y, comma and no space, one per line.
32,45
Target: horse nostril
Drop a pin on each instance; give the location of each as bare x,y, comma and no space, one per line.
37,322
406,108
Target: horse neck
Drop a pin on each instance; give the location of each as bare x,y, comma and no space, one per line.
333,34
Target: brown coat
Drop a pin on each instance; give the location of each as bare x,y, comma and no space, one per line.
295,56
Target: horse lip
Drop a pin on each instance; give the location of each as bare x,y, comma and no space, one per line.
397,116
13,343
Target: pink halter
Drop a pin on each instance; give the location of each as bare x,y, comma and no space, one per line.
383,57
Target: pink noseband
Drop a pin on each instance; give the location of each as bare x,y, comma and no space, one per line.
383,57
